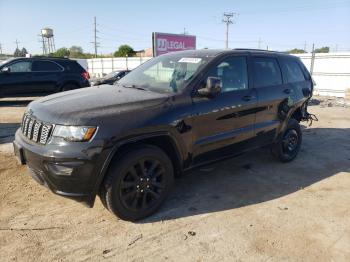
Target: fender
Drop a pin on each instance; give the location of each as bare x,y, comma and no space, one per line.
122,142
287,117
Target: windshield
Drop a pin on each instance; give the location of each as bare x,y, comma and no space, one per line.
167,73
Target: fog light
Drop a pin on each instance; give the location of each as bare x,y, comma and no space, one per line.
62,169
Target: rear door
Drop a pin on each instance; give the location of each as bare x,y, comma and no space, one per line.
45,76
17,81
273,93
297,78
224,121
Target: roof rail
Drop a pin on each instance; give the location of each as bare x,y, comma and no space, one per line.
261,50
49,57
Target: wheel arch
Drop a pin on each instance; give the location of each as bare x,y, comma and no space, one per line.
294,113
164,141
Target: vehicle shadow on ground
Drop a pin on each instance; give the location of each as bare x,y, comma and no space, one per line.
7,132
19,103
257,177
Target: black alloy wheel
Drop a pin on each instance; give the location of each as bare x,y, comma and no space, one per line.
137,182
142,184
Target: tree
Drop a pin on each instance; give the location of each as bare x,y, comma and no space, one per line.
61,52
296,51
124,50
324,49
24,52
17,53
76,52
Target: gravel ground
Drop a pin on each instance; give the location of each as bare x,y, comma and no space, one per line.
246,208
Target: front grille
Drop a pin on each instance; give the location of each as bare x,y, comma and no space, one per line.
36,130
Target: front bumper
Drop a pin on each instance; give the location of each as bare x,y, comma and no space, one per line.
69,170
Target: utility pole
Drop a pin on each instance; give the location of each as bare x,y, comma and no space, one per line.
312,59
0,49
228,21
185,33
259,43
16,42
305,44
95,37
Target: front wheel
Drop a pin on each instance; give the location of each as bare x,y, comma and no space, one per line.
287,148
137,184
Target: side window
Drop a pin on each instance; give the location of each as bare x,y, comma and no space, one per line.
19,67
266,72
232,72
292,71
45,66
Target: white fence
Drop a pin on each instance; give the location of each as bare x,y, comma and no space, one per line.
331,72
98,67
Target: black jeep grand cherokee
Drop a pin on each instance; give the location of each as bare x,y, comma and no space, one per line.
127,142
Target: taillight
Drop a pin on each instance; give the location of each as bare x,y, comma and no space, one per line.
86,75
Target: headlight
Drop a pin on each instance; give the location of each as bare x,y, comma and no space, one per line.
74,133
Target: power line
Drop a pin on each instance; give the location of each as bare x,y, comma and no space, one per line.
228,21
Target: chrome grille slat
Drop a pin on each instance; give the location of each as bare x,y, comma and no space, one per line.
45,132
26,122
30,128
35,130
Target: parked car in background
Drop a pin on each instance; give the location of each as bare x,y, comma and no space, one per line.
110,78
176,112
38,76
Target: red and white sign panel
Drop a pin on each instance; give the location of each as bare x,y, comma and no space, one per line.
164,43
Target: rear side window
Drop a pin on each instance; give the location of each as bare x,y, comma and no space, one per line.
266,72
74,66
45,66
292,71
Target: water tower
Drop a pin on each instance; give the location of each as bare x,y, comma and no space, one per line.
47,40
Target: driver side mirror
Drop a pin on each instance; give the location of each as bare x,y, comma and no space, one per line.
212,88
5,70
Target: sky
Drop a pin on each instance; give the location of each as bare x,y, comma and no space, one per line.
278,25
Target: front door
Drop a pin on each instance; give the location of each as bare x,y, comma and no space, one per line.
17,80
228,119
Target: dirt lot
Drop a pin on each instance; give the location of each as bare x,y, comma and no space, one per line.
247,208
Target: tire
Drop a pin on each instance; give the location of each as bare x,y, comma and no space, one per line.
287,148
68,87
132,192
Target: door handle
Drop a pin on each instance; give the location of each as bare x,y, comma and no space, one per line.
247,98
287,91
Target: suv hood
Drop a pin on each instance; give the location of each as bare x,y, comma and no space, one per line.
82,106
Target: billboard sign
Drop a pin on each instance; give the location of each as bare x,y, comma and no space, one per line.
164,43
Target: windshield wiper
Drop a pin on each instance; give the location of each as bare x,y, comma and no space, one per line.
133,86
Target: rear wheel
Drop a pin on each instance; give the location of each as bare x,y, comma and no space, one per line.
289,145
137,184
